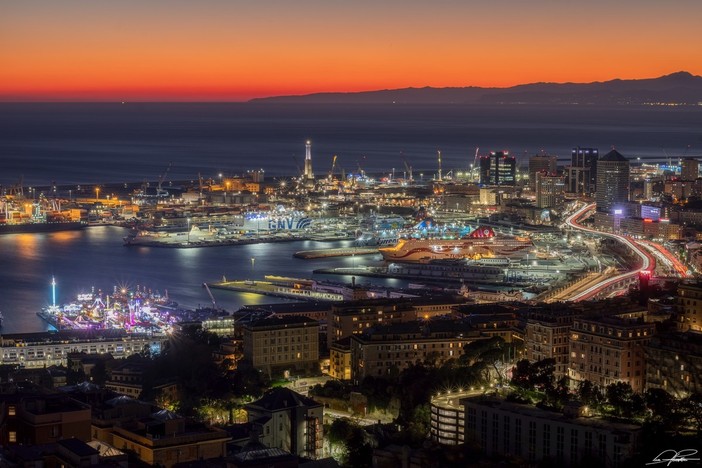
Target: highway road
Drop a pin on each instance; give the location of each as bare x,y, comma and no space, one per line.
648,263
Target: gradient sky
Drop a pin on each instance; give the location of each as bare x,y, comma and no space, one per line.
238,49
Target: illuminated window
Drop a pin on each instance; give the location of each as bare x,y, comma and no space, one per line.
12,436
11,410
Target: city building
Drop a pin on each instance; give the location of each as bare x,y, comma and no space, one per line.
353,317
541,163
499,168
505,428
608,350
279,344
387,349
690,306
33,417
447,420
289,421
166,439
549,190
547,336
612,182
689,169
340,359
128,378
582,172
52,349
674,363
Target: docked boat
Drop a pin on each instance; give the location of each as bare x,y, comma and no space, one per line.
480,244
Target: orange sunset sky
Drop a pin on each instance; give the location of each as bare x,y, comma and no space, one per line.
69,50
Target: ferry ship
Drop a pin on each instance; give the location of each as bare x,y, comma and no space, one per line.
481,243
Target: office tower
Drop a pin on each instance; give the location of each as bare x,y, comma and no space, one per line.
612,181
690,169
541,163
582,173
549,190
499,168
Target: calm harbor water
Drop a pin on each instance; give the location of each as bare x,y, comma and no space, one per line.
110,142
95,257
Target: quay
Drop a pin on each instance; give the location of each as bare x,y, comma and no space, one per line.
288,288
340,252
175,244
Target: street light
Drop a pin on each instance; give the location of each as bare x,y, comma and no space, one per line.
97,193
253,264
188,230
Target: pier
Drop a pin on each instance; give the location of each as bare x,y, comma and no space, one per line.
340,252
300,291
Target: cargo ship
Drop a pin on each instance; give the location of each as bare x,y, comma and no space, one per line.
481,243
41,226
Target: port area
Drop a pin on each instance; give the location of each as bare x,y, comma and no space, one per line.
288,288
179,243
383,272
340,252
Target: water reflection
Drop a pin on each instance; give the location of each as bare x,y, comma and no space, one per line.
95,257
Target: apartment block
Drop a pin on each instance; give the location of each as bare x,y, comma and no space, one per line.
289,421
386,349
275,344
607,350
505,428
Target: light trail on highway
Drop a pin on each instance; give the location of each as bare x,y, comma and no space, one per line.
648,263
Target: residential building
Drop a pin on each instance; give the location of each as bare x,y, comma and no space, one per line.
33,417
340,359
607,350
689,169
277,344
385,349
690,306
289,421
128,378
505,428
165,439
547,336
674,363
612,182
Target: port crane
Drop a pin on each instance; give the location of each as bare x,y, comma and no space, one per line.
159,191
408,168
209,293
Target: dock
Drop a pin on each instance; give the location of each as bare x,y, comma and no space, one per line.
340,252
301,292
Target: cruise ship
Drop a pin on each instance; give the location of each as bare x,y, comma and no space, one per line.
482,243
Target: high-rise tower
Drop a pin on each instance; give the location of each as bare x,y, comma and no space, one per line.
309,175
582,172
612,181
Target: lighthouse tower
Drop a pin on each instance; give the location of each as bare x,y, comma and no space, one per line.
309,175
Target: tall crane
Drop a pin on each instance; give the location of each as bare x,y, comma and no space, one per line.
160,192
475,163
408,168
439,160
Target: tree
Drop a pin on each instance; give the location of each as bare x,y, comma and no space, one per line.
537,375
623,400
590,394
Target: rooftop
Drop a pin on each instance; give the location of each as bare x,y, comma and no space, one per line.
281,398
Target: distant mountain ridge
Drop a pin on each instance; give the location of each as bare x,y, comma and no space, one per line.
676,88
